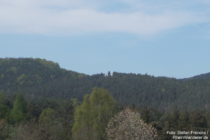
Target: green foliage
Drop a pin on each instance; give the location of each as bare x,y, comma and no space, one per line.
52,124
53,119
18,112
4,109
92,116
47,117
21,79
198,119
41,78
166,103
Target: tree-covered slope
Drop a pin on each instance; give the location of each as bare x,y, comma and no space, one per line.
42,78
33,76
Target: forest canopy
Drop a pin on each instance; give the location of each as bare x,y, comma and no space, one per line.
39,78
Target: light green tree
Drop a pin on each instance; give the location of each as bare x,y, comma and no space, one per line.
18,112
92,116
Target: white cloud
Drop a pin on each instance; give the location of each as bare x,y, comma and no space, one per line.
35,16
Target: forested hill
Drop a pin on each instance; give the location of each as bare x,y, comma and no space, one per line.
41,78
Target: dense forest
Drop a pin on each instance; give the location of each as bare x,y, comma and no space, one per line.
41,101
37,78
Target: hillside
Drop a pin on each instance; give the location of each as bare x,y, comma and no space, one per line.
41,78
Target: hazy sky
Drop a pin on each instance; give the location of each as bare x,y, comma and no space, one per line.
161,38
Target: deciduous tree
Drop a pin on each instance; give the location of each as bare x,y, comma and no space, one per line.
127,125
92,116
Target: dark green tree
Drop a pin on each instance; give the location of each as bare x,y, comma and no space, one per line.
4,109
47,117
52,125
198,120
183,121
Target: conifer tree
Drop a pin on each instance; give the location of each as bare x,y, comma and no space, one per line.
3,107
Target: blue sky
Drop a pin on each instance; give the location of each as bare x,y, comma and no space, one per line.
161,38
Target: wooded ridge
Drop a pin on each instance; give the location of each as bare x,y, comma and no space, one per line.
38,78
